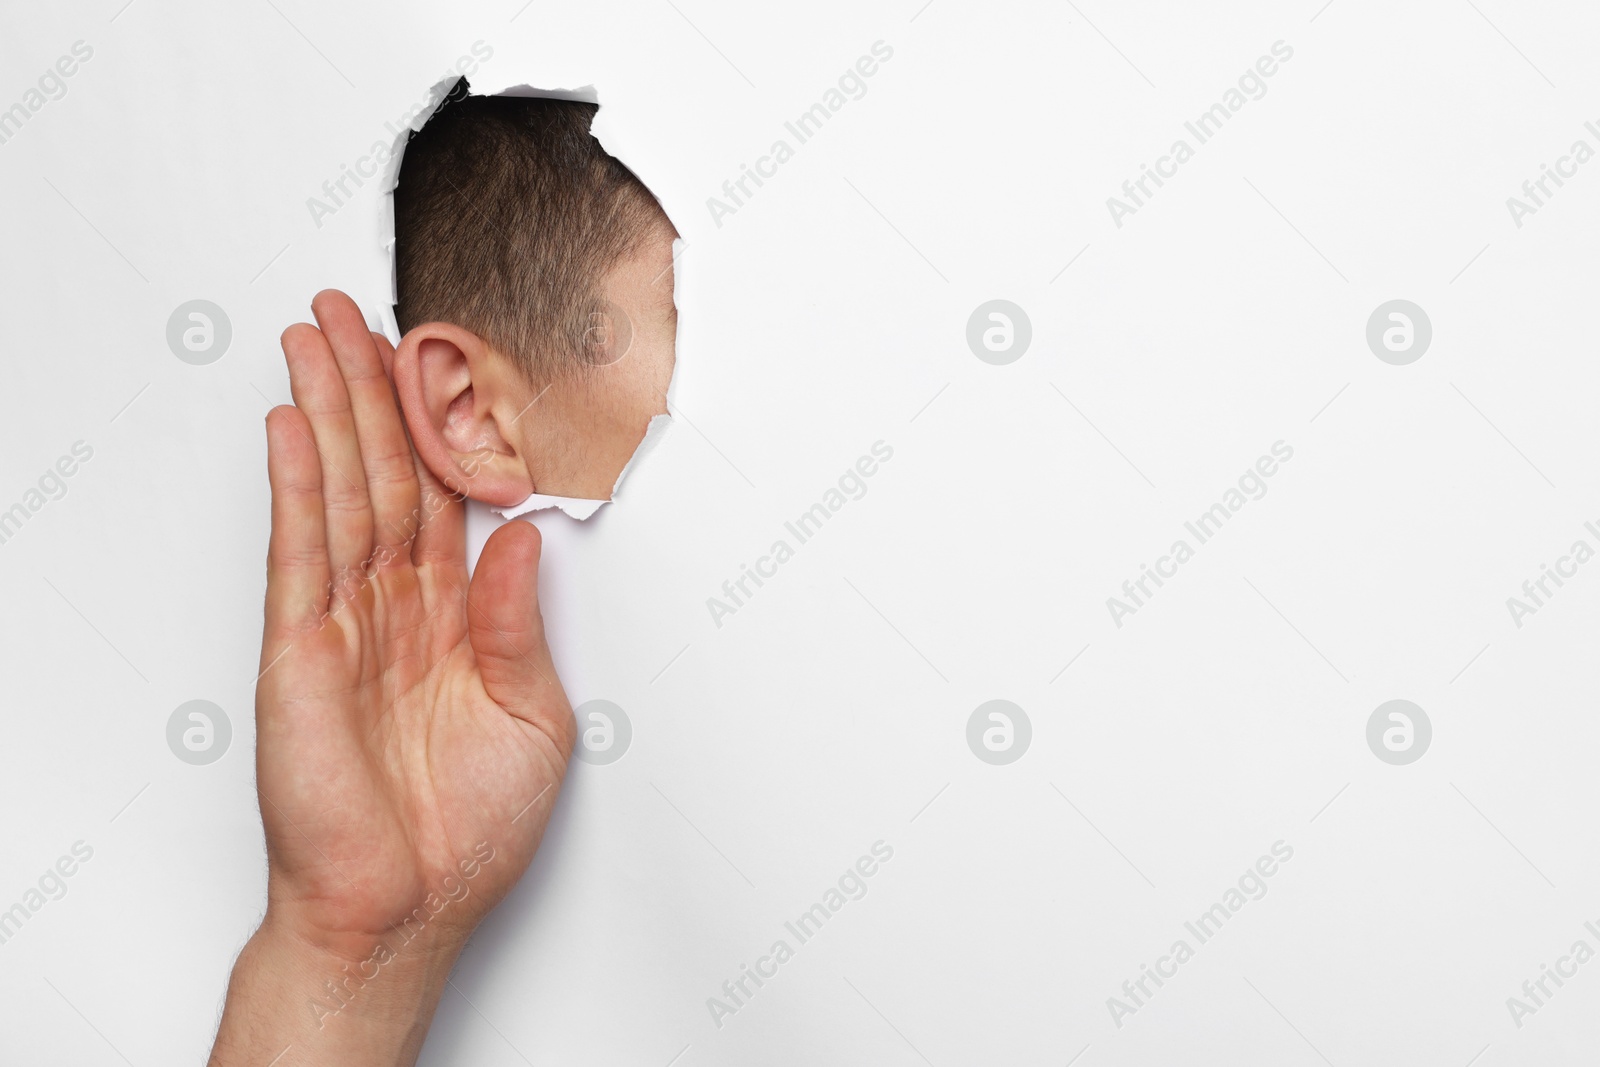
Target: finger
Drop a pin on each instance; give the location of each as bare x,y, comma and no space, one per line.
385,354
319,391
442,536
297,554
507,633
385,450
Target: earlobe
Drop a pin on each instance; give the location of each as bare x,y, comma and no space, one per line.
448,392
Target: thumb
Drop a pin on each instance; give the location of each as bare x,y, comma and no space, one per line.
507,633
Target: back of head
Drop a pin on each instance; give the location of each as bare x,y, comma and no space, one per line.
508,214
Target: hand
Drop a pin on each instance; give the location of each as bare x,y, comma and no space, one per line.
410,729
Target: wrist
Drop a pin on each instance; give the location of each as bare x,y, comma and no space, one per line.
410,948
321,998
371,976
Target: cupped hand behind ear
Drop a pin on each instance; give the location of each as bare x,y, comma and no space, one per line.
409,721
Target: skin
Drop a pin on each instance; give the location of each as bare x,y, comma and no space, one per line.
408,719
412,733
485,427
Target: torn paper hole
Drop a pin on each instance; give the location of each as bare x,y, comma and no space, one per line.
659,382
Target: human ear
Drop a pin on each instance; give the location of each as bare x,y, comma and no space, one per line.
457,396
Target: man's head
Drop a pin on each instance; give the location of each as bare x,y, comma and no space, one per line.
534,277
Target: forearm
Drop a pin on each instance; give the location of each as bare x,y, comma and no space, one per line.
294,1003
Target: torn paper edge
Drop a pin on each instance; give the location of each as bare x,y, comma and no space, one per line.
576,507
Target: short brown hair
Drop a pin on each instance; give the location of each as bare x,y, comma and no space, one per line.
508,213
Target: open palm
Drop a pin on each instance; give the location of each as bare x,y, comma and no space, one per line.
411,730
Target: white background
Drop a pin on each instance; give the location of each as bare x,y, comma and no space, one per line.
829,313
